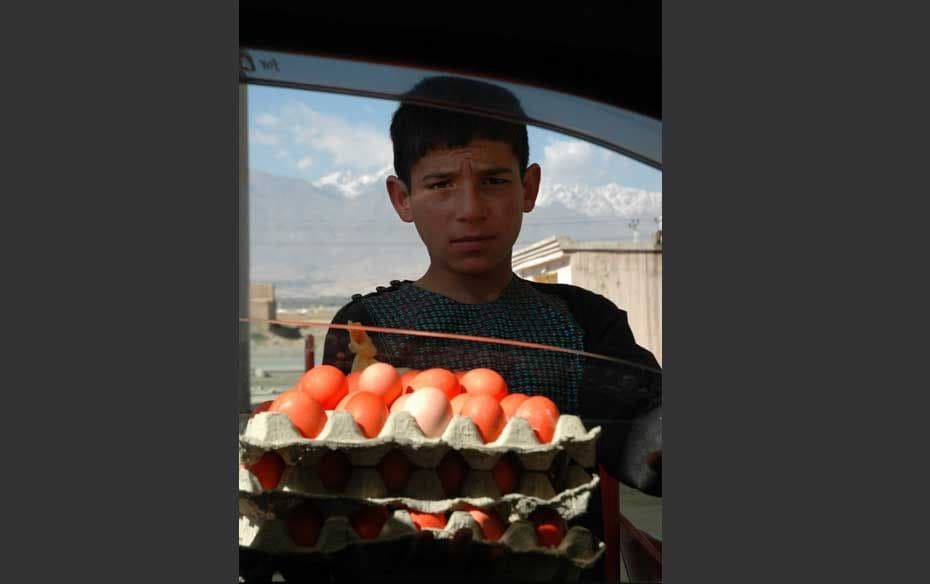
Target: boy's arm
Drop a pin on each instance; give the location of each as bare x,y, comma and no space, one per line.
625,399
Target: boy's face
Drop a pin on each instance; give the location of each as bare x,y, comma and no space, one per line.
467,204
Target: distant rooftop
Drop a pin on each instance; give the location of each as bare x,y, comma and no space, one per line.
560,243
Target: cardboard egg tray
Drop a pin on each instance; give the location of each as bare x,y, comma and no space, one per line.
579,547
274,431
568,494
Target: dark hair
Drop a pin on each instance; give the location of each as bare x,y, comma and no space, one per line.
416,130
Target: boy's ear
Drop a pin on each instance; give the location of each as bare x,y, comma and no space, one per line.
531,179
400,198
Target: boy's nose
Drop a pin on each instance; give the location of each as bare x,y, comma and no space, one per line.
472,206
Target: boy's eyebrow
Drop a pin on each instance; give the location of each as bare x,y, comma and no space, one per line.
495,170
441,175
438,175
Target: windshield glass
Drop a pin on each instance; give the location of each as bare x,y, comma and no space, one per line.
338,278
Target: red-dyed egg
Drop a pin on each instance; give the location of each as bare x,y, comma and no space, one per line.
268,469
325,384
381,379
512,402
342,403
486,413
451,471
457,403
395,470
334,470
549,526
352,381
491,524
406,377
304,525
368,521
303,411
428,520
504,474
542,415
485,381
442,379
369,412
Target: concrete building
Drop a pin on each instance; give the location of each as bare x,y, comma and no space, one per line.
262,304
629,274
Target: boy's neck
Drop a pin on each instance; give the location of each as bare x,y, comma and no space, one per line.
465,288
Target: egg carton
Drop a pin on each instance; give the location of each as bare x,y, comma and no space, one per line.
569,495
579,547
274,431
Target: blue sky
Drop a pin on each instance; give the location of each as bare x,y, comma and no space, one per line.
310,135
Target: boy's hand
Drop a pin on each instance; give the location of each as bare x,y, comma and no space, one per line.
654,461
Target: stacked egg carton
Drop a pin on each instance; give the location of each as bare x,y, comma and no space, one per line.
554,476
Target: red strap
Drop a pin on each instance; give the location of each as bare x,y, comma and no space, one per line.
610,502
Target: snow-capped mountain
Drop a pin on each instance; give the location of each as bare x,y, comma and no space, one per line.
339,235
601,201
350,185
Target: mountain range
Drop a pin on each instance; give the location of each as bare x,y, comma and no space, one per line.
338,235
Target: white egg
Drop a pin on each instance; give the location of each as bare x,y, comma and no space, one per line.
430,407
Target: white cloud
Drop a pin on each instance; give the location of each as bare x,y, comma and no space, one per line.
568,158
356,146
282,154
304,163
265,138
266,119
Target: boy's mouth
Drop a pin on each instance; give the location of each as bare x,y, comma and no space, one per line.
469,238
471,242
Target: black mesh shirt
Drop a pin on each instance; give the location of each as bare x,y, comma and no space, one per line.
551,314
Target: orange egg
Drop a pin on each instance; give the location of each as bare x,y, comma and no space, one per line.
342,403
352,380
542,415
428,520
451,472
457,403
491,524
304,525
395,470
512,402
442,379
504,474
485,381
326,384
368,521
262,407
381,379
268,469
431,409
459,375
549,526
398,404
334,470
303,411
369,412
407,376
486,413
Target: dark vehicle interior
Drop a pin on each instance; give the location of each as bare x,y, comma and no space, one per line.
613,60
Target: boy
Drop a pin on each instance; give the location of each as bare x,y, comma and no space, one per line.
465,182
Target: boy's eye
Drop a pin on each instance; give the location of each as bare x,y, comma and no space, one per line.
496,181
440,185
